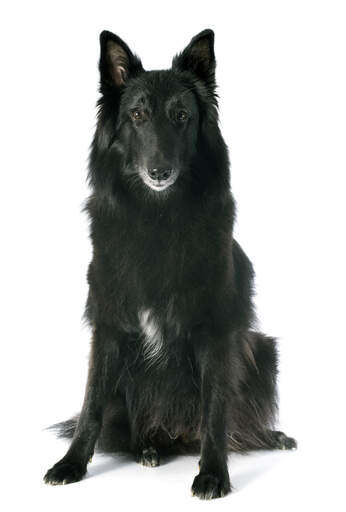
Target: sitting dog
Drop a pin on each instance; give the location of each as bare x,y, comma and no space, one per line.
175,364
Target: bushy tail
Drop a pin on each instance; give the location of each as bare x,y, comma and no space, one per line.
257,402
114,436
65,429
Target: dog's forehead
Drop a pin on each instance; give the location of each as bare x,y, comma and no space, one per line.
158,87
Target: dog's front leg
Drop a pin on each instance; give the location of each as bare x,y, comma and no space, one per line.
213,479
103,370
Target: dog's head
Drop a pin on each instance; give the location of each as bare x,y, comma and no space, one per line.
149,130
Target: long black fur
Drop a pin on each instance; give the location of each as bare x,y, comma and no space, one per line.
175,364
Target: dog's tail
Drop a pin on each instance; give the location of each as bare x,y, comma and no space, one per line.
65,429
114,436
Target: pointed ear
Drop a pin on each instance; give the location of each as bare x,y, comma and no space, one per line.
117,62
198,57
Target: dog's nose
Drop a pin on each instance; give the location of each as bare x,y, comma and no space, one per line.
159,174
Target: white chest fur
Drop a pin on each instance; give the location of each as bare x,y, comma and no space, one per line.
152,336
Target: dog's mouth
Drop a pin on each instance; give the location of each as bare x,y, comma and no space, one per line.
158,179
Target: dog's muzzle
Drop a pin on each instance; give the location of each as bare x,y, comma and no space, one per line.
158,178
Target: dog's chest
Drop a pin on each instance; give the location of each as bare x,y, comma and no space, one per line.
158,330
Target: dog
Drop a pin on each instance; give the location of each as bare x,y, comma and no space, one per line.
176,365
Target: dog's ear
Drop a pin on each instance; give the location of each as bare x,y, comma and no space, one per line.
198,57
117,62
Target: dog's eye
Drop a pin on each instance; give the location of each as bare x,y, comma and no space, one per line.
181,115
136,114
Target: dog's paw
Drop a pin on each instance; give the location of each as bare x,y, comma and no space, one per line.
65,472
284,442
149,457
207,486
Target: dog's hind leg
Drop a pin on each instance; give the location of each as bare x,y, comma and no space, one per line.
144,443
150,446
276,440
261,440
146,450
148,457
257,404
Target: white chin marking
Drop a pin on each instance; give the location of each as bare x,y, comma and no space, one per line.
157,187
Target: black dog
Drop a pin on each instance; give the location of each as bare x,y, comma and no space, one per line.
175,366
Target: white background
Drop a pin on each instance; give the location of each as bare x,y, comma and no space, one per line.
282,83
